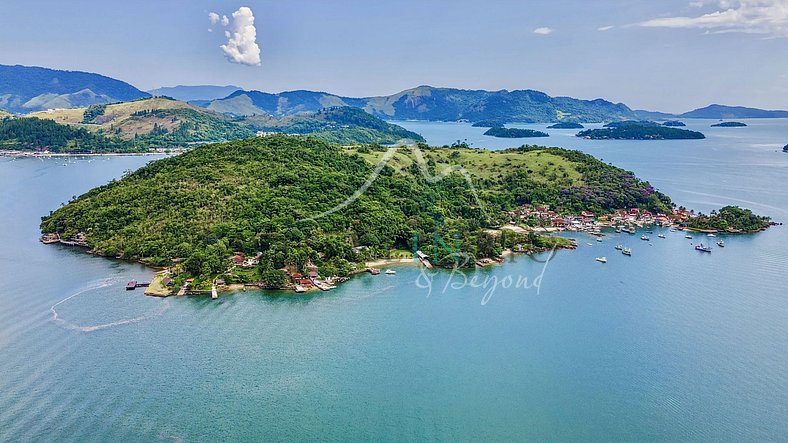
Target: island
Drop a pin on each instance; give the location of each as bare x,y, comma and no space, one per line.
282,211
490,123
566,125
674,123
729,125
785,148
636,130
514,133
729,219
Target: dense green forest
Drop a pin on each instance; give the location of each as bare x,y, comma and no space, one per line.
729,125
639,130
514,133
566,125
37,134
674,123
262,194
341,124
730,218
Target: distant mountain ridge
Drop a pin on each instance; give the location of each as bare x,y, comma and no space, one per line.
723,112
431,103
189,93
26,89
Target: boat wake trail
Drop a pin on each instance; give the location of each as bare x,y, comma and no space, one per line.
65,324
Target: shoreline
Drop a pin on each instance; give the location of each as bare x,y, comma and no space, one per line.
26,154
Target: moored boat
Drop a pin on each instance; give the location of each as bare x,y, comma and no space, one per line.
702,248
601,259
661,235
627,251
619,247
644,237
390,272
721,243
688,236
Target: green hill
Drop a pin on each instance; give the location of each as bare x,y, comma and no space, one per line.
262,195
34,134
344,125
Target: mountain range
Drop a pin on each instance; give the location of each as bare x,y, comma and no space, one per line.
431,103
26,89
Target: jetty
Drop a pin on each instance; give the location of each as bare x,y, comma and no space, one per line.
134,284
424,259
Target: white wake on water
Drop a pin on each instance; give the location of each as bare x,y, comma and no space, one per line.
65,324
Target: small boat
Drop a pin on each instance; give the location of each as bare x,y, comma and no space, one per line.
590,244
601,259
598,239
672,229
300,288
618,230
619,247
700,247
661,235
390,272
710,235
644,237
373,271
649,232
627,251
130,286
721,243
688,236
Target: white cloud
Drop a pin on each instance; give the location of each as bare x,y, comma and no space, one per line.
543,30
241,46
748,16
605,28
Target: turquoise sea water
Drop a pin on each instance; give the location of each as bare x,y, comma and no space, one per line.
669,344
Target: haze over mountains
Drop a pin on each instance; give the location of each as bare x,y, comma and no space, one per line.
26,89
29,89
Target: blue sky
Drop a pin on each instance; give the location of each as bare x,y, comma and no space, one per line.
670,55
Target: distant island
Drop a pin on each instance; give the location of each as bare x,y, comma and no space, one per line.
729,125
514,133
674,123
785,148
491,123
566,125
639,130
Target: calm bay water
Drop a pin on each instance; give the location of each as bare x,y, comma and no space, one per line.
669,344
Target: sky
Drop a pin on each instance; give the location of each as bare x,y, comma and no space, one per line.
667,55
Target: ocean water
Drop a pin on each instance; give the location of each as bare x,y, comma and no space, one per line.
669,344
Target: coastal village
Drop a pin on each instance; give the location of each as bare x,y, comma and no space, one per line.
526,218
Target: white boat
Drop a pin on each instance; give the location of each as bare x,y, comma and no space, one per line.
710,235
601,259
721,243
619,247
702,248
598,239
627,251
661,235
644,237
390,272
688,236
